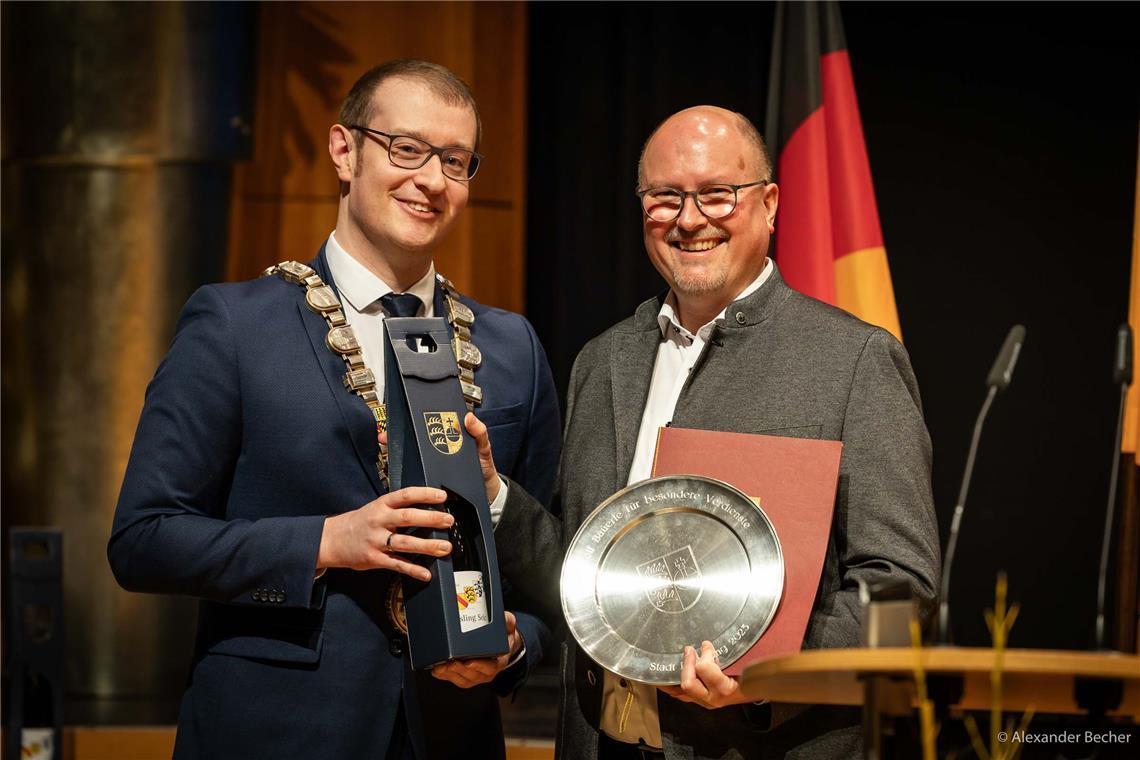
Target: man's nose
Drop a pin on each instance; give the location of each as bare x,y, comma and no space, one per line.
430,176
690,217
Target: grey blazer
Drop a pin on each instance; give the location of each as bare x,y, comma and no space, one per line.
779,363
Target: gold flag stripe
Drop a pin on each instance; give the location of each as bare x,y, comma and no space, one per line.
863,287
1132,408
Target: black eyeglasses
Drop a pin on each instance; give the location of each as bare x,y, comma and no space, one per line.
664,204
411,153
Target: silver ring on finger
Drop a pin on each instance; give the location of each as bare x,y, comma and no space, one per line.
388,543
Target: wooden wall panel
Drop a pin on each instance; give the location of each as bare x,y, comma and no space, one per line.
498,273
499,195
284,200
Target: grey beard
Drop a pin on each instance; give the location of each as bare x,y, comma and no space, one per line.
691,283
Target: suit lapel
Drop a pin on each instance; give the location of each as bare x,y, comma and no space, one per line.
438,304
353,411
632,356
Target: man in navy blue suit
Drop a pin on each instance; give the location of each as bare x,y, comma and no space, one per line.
253,482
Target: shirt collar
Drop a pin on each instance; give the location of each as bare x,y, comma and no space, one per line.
362,289
667,316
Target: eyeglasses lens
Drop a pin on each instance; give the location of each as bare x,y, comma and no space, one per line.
716,200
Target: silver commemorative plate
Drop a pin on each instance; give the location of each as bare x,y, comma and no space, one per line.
666,562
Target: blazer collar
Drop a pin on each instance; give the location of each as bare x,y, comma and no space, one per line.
633,352
354,412
757,306
321,265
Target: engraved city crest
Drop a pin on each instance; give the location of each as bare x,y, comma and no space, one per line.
672,580
443,431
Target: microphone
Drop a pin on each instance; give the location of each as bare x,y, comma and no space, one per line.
1122,357
1002,371
1122,376
997,380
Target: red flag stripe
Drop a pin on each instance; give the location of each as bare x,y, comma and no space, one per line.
804,220
854,213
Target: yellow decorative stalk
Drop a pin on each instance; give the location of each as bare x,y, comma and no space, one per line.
925,706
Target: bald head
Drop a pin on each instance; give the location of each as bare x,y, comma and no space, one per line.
710,122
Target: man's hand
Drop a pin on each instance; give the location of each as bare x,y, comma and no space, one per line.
478,431
366,538
468,673
703,682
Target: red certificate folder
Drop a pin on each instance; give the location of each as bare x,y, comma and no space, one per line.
794,480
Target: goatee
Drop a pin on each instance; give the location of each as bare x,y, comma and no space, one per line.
697,279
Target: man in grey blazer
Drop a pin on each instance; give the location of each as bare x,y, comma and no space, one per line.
729,347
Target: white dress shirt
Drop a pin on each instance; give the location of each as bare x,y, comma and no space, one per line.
360,292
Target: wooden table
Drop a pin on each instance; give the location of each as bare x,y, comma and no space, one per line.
1041,678
958,678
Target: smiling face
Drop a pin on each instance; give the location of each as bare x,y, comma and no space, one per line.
392,218
708,262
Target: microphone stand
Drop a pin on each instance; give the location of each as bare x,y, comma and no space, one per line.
998,379
956,522
1123,372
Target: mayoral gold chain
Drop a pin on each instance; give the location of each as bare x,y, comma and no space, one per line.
341,339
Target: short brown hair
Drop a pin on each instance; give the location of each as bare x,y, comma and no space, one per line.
357,107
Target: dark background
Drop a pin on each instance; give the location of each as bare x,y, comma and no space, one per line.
1003,146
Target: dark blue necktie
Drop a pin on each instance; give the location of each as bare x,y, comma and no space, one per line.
400,304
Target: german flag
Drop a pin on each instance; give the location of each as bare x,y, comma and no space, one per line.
1131,440
830,243
1127,604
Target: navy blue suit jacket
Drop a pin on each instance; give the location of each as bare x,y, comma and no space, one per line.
247,441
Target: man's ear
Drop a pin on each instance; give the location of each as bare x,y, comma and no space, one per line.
342,150
771,201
